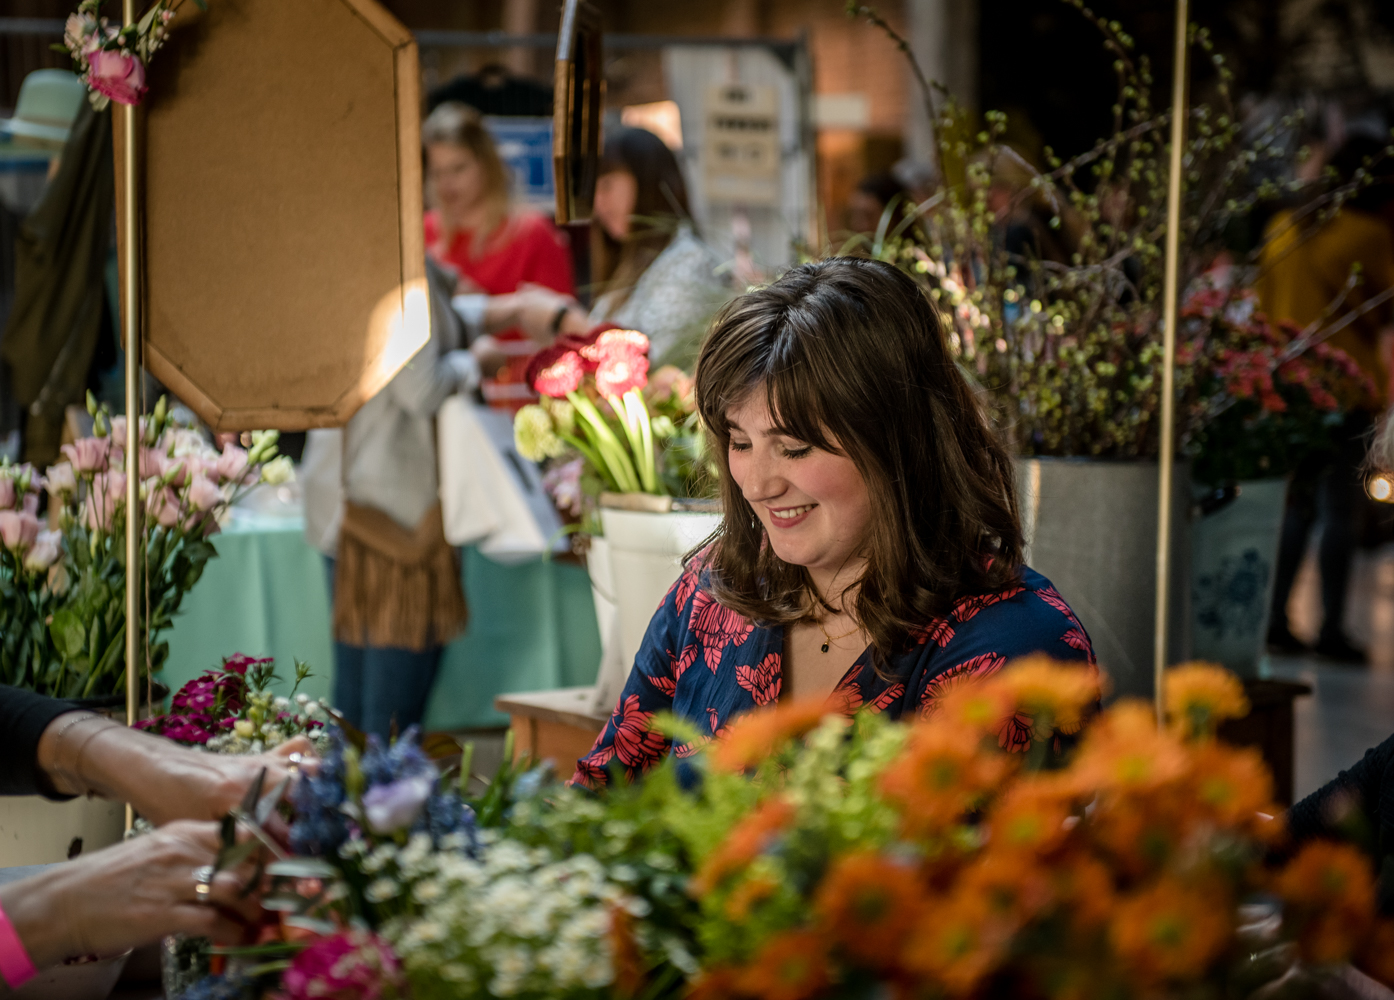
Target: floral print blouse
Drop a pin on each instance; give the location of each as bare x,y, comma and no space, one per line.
707,664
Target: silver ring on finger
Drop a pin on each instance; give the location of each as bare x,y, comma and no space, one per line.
293,762
203,884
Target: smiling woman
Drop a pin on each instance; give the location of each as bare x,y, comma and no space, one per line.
870,550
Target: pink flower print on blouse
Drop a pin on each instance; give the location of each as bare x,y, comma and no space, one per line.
971,605
978,666
939,631
635,744
717,627
763,682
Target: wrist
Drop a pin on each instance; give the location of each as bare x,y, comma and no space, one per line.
61,749
33,910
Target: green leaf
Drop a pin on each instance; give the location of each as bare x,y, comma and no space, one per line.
68,634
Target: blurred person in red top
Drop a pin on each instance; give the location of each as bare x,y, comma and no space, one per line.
495,248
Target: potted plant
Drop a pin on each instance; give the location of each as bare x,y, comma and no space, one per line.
63,590
1051,282
1273,398
627,457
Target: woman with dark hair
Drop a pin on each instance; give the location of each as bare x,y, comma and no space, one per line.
649,270
871,550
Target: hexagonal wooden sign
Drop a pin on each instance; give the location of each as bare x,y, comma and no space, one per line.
284,268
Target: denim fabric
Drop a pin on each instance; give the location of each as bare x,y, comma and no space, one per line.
375,684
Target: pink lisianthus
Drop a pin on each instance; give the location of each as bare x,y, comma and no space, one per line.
232,465
204,494
350,965
89,455
7,492
117,75
108,493
60,479
163,505
31,503
48,547
18,530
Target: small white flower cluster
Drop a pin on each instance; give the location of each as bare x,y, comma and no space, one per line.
518,921
269,720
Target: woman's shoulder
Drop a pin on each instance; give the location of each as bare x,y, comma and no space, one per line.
1025,617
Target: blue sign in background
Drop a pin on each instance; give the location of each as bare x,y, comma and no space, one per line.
525,145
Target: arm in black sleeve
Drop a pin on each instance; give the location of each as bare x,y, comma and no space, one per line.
24,716
1351,806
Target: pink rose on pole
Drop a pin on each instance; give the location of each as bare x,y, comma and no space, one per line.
118,75
18,530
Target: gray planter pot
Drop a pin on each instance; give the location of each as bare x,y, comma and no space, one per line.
1091,528
1234,550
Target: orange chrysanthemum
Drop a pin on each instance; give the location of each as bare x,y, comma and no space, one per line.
977,705
1015,888
1199,696
1170,931
868,904
756,735
1055,695
1233,787
791,966
1083,888
747,839
715,983
1330,894
1125,751
1031,815
940,776
956,943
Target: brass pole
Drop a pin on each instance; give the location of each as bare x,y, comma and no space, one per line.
130,294
1166,457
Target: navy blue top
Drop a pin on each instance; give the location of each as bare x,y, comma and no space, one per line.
705,663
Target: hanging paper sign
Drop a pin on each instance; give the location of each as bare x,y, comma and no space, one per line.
525,146
741,145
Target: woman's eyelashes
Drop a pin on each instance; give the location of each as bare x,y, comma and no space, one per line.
796,452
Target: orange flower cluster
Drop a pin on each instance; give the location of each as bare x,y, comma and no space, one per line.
1118,874
757,735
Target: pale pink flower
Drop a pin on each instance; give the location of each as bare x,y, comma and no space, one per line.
7,492
107,495
61,479
204,494
163,506
48,546
152,463
18,529
88,455
31,503
118,75
232,464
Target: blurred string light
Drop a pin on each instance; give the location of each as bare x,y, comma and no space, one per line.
1380,487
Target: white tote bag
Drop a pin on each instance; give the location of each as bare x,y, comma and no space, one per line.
490,495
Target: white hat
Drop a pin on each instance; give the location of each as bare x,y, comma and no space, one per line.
49,100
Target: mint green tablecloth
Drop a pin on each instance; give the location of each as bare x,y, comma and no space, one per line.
532,626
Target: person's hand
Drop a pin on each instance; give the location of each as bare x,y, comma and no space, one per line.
490,356
129,895
537,310
83,753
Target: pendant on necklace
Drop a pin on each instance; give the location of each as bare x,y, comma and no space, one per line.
825,647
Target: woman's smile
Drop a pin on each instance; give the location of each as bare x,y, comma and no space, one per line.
788,517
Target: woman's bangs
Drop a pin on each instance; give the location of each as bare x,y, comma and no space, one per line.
797,405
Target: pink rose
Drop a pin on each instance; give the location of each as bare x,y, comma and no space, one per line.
7,492
204,494
232,464
118,75
48,546
18,530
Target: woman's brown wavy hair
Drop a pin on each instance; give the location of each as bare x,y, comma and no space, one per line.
852,358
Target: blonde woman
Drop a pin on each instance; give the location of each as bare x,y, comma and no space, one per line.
473,230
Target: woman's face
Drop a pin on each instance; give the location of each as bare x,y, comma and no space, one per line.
616,194
456,178
814,504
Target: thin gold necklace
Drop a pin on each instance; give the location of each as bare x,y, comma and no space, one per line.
828,640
